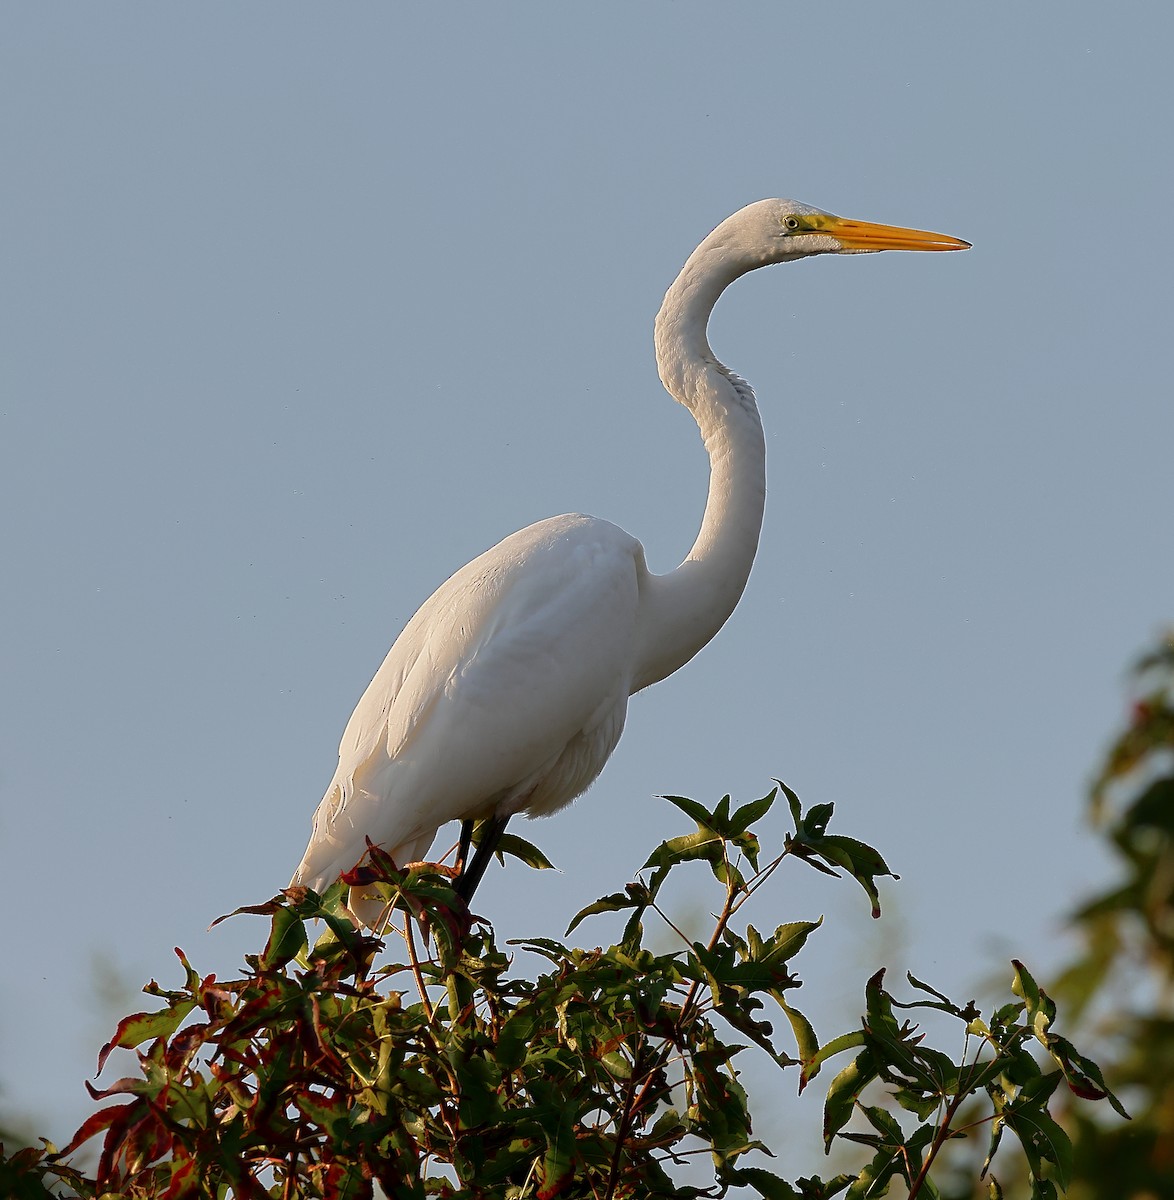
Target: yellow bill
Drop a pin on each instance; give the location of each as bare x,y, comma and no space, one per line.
866,235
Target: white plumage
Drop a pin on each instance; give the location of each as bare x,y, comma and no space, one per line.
545,618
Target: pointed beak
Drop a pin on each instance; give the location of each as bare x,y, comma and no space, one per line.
865,235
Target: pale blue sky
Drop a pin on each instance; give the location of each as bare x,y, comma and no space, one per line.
304,306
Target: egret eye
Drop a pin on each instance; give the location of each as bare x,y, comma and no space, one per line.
791,223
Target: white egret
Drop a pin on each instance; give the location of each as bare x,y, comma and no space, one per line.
507,691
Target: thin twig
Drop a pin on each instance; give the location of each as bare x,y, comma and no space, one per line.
939,1140
624,1122
756,881
290,1174
410,939
723,920
669,922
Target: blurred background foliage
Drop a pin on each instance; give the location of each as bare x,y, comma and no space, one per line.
1117,994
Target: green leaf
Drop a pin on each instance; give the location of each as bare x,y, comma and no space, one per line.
287,939
747,814
805,1040
142,1027
765,1183
327,1112
527,852
749,846
1041,1138
884,1123
944,1003
861,861
691,808
617,1064
727,874
1041,1011
1038,1090
721,816
844,1091
916,1102
479,1079
613,903
547,947
874,1177
633,934
787,941
996,1136
880,1021
793,803
557,1164
846,1041
1082,1074
668,1125
687,848
514,1038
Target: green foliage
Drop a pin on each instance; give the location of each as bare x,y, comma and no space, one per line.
1119,990
1122,982
328,1068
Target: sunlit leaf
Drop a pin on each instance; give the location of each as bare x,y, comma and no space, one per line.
747,814
765,1183
1041,1138
287,939
1082,1074
704,844
524,851
613,903
698,812
846,1041
843,1093
143,1027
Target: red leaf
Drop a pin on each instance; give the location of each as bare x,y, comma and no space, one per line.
127,1084
183,1178
115,1136
360,876
96,1122
338,1182
185,1043
146,1142
258,910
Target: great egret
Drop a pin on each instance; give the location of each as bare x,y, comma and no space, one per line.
507,691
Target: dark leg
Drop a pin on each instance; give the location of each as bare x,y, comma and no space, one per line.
470,877
463,846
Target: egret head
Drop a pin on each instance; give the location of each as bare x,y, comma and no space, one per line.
769,231
781,230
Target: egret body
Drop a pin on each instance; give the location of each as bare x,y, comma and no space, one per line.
507,691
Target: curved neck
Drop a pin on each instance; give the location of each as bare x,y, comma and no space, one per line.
683,610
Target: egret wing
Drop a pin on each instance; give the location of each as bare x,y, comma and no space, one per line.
506,691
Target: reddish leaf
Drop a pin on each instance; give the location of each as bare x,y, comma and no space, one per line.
104,1118
323,1110
146,1141
184,1044
116,1134
128,1084
184,1178
257,910
142,1027
215,1001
